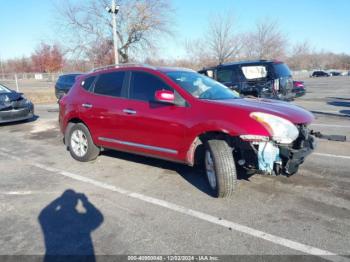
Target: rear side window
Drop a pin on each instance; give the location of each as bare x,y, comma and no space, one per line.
254,72
143,86
110,84
87,83
282,70
224,76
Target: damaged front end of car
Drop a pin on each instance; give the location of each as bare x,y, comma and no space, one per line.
15,107
271,158
280,154
285,159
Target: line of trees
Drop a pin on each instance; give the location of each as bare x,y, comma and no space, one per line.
45,58
221,43
85,32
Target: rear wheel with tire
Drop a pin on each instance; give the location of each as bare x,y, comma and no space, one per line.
220,168
80,144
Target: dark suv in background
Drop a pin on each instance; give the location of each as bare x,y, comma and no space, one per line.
319,74
262,78
64,83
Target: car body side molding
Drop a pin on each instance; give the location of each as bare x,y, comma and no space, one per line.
153,148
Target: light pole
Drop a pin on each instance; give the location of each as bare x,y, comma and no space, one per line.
114,9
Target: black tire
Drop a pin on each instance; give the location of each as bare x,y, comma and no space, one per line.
224,166
92,150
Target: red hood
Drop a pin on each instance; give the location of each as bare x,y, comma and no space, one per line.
293,113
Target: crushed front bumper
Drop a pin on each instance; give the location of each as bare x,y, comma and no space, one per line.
292,158
18,114
280,159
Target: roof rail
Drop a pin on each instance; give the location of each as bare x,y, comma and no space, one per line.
121,66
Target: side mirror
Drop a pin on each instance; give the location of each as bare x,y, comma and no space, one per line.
165,96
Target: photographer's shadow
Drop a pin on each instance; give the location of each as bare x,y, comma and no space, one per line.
67,231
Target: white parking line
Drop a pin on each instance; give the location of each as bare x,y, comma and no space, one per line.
203,216
328,125
17,193
331,155
6,154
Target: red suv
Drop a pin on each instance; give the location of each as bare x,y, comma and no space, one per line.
182,116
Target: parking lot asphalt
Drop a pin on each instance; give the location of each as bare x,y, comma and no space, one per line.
138,205
327,96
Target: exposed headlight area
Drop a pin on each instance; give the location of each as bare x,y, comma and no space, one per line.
282,152
282,130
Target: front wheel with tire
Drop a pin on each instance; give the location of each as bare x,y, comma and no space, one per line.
81,146
220,168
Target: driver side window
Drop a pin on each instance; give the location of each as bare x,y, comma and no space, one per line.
144,85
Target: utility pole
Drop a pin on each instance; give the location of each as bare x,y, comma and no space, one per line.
114,9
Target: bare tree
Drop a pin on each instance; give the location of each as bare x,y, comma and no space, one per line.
198,54
220,44
300,57
87,27
266,42
344,61
302,48
221,39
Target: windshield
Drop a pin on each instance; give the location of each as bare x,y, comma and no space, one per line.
4,90
71,78
202,87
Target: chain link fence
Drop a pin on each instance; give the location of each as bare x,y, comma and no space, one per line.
38,87
25,81
30,76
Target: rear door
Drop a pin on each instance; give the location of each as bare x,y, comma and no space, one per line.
102,106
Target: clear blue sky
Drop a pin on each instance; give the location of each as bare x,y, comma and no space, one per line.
324,23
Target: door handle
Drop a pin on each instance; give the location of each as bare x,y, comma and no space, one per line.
129,111
87,105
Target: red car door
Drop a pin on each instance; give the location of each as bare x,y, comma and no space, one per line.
102,106
151,127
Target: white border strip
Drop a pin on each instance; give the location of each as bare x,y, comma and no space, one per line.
330,155
328,125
